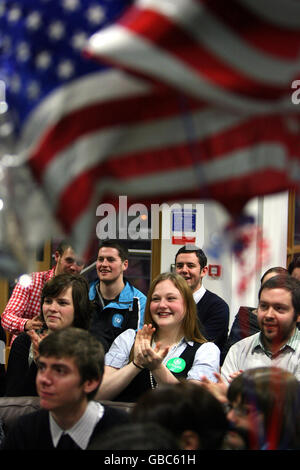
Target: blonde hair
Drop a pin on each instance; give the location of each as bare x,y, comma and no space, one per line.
190,324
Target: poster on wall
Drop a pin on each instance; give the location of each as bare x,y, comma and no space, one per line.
184,226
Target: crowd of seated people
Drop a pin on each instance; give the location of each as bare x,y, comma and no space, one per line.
157,355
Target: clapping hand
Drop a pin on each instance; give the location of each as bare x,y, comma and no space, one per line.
144,354
35,341
34,324
218,388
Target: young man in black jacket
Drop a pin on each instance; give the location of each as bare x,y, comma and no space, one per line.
70,371
118,305
213,311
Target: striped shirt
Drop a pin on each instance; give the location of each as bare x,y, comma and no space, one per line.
250,352
25,302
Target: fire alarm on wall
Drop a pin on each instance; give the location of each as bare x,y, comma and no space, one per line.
214,270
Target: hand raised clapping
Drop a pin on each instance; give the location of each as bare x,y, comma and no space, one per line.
35,341
144,354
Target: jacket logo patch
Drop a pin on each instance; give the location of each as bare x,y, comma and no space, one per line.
117,320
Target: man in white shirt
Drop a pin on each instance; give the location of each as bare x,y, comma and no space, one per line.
278,342
70,371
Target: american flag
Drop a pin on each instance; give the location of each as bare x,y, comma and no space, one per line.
194,100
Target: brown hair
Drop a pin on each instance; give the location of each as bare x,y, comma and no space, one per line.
276,394
190,324
80,295
275,269
80,345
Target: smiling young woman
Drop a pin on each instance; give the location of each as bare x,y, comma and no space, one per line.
168,348
64,302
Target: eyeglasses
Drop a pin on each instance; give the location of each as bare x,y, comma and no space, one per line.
240,410
74,261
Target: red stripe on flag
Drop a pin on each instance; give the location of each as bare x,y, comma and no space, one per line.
230,193
171,38
120,112
273,39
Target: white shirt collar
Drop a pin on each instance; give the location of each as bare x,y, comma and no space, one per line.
199,294
83,429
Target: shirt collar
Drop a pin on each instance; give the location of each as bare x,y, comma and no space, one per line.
292,342
199,294
83,429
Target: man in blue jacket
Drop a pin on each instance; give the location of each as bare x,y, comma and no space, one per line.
118,304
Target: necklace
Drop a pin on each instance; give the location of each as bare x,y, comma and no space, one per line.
153,385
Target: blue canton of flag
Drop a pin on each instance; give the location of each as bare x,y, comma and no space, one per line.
41,44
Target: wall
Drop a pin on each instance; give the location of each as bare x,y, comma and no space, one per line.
271,213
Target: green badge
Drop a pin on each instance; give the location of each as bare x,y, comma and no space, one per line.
176,364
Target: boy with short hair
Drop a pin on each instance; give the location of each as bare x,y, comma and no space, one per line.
70,371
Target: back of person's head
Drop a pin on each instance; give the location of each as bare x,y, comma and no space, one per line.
79,345
288,283
135,436
274,270
195,417
295,263
122,250
274,393
193,249
80,296
190,322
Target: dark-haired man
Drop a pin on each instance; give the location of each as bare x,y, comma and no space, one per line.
70,371
277,343
213,311
23,308
118,304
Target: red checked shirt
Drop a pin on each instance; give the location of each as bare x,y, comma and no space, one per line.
25,303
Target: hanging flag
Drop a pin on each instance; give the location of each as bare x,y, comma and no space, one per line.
197,99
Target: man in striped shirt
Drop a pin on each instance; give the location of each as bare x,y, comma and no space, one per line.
23,308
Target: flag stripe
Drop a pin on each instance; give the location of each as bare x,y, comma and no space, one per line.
161,65
272,70
165,143
142,135
101,87
218,177
281,42
211,65
285,14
